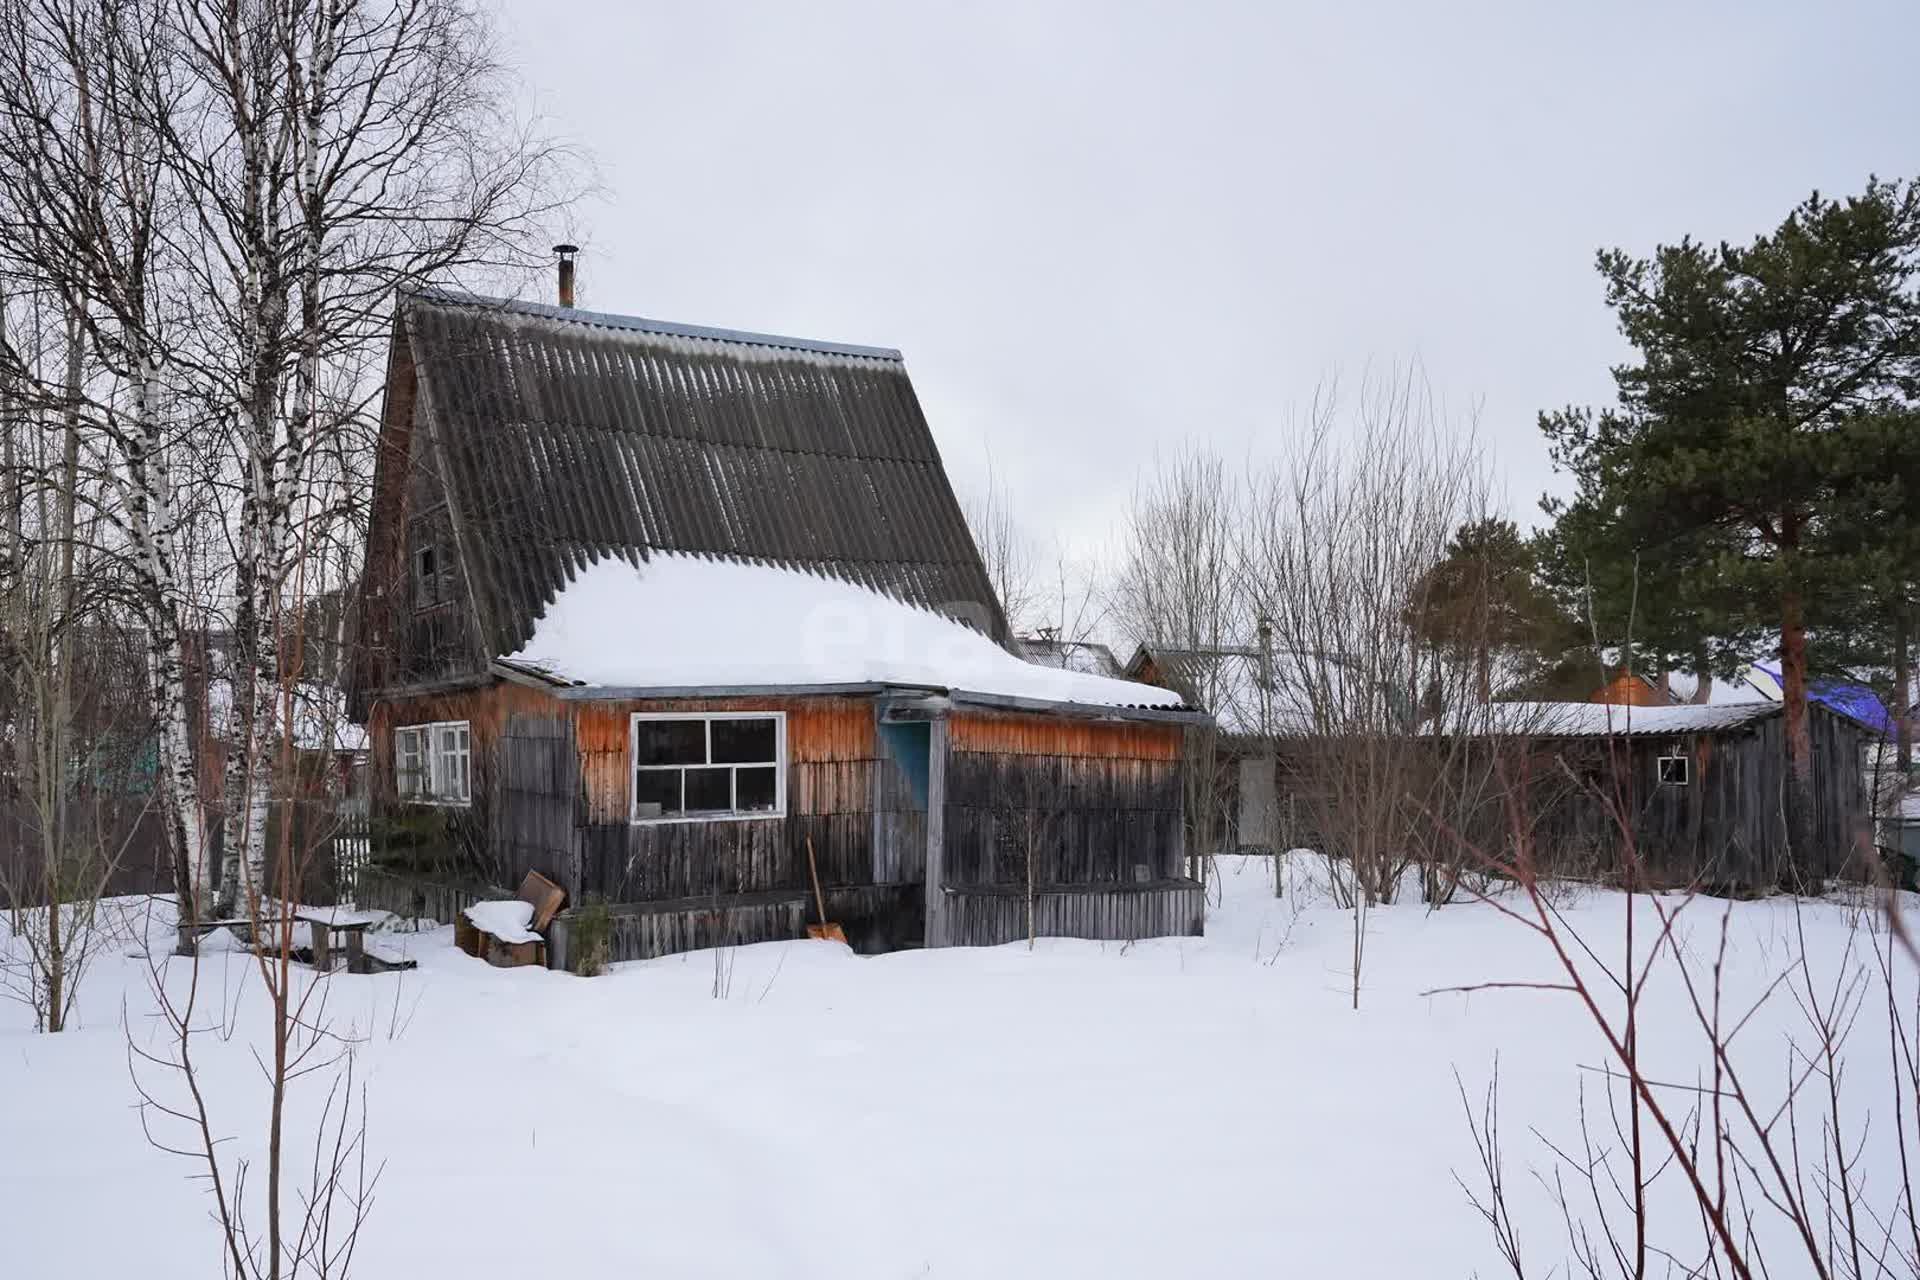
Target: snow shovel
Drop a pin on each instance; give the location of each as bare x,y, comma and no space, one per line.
830,932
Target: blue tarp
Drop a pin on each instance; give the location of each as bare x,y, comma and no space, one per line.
1855,701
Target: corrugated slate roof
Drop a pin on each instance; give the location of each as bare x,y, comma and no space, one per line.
1601,719
568,435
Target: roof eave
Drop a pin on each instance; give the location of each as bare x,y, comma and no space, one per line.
570,691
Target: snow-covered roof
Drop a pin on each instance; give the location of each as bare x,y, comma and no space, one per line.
1601,719
679,622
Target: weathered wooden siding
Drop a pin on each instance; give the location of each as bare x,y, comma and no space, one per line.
1726,828
980,917
643,931
417,897
458,841
550,794
1097,802
1026,733
539,778
876,918
402,641
832,755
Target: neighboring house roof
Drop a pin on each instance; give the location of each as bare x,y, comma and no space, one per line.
715,625
567,436
1068,655
1632,688
1226,680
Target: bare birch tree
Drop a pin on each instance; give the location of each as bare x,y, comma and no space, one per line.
337,150
1343,533
1178,587
86,204
70,743
225,195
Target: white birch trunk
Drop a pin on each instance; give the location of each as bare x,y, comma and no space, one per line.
154,524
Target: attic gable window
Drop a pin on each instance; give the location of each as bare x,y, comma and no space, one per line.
717,766
426,575
433,763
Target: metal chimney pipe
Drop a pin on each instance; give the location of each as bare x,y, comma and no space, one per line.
566,252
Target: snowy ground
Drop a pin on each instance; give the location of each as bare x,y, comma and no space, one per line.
1198,1107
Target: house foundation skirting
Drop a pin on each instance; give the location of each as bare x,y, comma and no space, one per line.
876,918
987,917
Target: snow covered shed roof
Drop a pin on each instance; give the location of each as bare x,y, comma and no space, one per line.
564,436
1602,719
677,624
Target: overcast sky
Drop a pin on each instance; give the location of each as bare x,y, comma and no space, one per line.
1097,230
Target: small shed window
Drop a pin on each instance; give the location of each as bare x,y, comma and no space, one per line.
433,763
723,765
1674,771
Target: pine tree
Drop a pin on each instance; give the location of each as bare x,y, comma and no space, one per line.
1483,605
1715,488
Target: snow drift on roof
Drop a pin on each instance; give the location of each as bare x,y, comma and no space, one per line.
690,622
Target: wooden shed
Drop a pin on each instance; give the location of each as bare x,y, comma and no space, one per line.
1704,786
655,609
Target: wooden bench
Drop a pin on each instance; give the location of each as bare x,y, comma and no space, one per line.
544,896
352,927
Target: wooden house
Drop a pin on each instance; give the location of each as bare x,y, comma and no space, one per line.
1634,689
669,613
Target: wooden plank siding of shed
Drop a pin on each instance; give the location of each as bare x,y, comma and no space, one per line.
1726,829
1110,793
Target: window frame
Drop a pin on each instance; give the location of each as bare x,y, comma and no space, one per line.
707,718
1673,757
427,734
425,573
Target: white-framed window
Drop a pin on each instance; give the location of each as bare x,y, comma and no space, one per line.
1674,770
433,763
708,766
